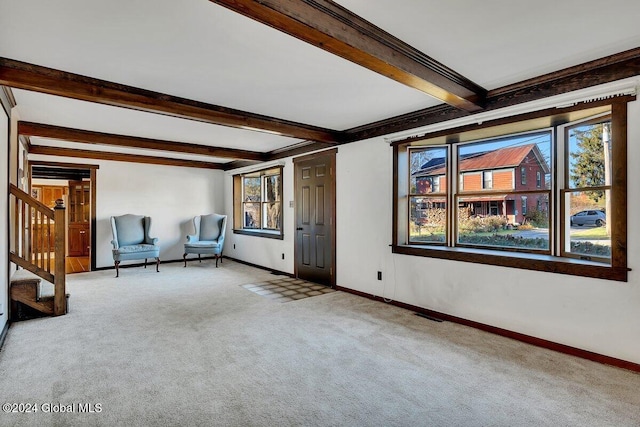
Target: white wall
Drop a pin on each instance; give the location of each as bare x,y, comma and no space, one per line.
4,230
170,195
596,315
260,250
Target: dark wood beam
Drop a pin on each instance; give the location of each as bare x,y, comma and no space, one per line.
335,29
90,137
54,82
120,157
295,150
239,164
604,70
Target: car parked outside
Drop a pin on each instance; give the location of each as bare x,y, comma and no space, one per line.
590,217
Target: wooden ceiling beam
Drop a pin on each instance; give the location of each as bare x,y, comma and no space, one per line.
121,157
36,78
99,138
600,71
337,30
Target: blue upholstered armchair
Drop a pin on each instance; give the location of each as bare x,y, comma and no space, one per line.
208,238
131,240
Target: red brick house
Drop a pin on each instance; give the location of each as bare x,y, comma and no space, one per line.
506,169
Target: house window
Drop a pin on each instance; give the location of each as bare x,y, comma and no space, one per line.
487,180
587,190
258,203
523,176
478,215
427,213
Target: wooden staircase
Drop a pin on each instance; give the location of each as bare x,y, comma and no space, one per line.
31,251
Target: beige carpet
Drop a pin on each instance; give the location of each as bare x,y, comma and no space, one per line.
190,346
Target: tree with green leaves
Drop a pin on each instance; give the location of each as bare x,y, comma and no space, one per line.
588,165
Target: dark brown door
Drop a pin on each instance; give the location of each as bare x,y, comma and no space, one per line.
79,217
315,218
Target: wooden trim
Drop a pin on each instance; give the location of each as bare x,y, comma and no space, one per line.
337,30
295,150
94,221
528,339
394,195
331,152
55,82
238,164
63,164
250,264
257,233
7,99
121,157
558,116
528,261
619,183
100,138
603,70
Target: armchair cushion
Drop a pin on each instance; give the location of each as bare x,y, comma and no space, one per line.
210,227
130,229
134,249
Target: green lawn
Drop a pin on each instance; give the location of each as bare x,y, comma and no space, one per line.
594,233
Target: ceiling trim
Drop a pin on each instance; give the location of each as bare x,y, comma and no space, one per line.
339,31
63,164
37,78
121,157
239,164
600,71
91,137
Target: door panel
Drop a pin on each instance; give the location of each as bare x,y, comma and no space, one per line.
79,217
315,218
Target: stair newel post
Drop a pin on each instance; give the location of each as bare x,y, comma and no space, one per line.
59,299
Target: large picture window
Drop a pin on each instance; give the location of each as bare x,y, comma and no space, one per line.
258,203
539,193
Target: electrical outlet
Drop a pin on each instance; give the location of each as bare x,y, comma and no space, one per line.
379,275
282,256
234,246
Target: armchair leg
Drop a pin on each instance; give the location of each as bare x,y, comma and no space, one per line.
145,263
157,265
199,259
217,256
185,259
117,263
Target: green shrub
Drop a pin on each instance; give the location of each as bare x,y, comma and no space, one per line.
539,219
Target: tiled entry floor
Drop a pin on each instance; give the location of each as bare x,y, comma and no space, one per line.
284,289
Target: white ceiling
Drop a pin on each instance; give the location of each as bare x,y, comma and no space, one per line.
198,50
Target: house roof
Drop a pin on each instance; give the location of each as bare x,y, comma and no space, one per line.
487,160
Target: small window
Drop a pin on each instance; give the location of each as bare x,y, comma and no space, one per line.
487,180
524,205
258,203
538,179
523,176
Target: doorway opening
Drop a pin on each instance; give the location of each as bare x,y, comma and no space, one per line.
75,184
